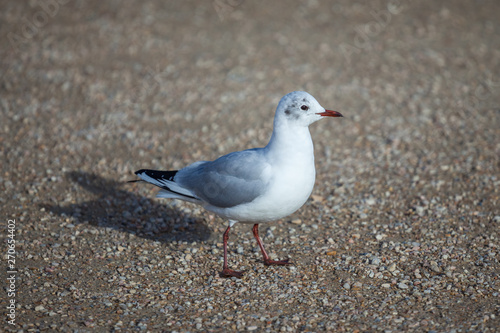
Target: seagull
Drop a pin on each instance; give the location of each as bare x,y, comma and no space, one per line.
257,185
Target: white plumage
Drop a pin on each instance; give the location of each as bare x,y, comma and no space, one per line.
255,185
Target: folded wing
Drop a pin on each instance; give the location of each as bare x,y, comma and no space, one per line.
230,180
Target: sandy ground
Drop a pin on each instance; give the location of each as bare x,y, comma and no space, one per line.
402,230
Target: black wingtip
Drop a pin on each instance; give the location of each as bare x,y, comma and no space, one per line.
157,174
140,171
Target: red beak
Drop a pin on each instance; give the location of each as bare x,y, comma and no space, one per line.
330,113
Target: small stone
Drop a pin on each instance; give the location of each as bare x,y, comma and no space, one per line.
317,198
386,285
371,201
402,285
392,267
347,286
39,308
435,267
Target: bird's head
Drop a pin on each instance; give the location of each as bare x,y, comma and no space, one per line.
301,109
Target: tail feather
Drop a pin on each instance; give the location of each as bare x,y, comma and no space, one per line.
165,180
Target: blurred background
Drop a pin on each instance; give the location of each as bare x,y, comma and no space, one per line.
97,78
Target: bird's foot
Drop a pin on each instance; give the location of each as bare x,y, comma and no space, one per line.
269,262
227,273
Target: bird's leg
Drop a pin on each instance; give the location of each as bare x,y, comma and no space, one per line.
226,272
267,261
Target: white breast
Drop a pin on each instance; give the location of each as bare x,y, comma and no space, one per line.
292,183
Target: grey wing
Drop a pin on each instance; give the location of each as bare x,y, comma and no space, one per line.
230,180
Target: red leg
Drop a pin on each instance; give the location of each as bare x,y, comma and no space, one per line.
226,272
267,261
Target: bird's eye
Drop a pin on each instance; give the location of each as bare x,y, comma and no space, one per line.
304,107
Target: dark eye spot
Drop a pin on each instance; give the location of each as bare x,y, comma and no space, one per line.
304,107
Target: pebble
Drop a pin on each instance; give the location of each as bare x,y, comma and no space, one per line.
435,267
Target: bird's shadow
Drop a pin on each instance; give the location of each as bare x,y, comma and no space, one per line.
126,211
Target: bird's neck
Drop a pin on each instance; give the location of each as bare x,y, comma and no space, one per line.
291,143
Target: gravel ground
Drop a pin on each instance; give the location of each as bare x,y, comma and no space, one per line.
401,232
